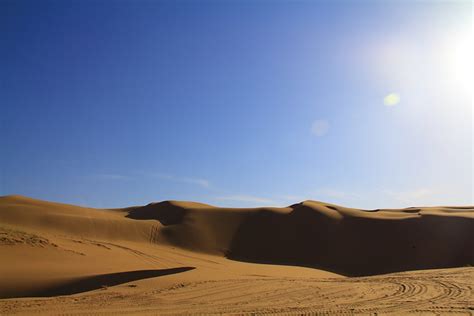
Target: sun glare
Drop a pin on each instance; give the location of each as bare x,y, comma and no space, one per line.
459,62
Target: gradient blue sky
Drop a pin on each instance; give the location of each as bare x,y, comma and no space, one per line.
237,103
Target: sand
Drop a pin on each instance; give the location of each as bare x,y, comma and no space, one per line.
190,258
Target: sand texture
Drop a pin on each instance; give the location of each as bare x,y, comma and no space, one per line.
177,257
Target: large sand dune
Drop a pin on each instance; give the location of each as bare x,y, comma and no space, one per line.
186,257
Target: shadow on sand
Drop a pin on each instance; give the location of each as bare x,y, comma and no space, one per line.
95,282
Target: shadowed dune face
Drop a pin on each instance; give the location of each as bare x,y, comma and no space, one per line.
355,246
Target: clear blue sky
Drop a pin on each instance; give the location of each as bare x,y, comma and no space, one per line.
237,103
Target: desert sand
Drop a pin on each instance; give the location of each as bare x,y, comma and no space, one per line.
190,258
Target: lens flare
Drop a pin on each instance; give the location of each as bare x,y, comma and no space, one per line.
391,99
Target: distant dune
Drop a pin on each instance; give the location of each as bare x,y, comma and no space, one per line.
334,238
185,255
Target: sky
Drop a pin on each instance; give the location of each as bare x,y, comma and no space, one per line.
237,103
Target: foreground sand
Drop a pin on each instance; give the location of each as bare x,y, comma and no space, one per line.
191,258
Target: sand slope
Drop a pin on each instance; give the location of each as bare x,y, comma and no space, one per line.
186,257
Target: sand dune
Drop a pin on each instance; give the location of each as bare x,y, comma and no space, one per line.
186,257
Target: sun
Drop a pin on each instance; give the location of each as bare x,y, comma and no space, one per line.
459,61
